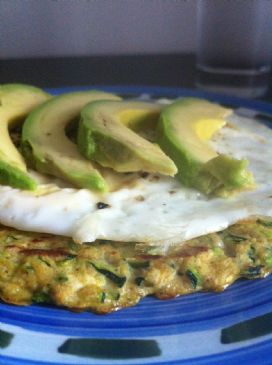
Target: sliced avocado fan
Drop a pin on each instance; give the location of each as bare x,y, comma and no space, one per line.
107,135
16,101
47,148
182,132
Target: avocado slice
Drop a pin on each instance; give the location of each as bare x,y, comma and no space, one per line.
16,101
47,148
107,135
182,132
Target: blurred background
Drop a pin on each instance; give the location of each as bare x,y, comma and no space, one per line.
216,45
38,28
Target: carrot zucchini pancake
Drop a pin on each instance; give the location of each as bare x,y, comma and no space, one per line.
106,275
125,198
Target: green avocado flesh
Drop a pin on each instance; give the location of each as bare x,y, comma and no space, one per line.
16,101
47,148
179,135
107,135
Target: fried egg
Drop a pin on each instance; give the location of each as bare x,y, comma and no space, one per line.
155,209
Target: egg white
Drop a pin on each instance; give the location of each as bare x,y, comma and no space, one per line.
155,210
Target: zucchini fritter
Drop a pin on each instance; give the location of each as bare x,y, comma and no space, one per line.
106,276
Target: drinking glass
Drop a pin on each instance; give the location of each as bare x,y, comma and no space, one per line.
234,46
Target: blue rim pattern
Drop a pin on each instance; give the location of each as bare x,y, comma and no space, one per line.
186,330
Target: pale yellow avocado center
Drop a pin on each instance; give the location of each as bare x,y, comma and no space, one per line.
207,118
134,117
206,128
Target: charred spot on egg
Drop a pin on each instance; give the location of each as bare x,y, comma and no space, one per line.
101,205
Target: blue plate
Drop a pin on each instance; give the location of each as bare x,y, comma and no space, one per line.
233,327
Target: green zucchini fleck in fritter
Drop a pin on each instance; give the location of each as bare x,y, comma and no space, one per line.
193,277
